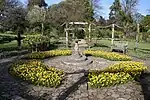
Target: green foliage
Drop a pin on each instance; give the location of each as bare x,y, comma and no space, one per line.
37,42
146,37
47,54
116,74
40,3
145,23
106,33
6,38
37,73
36,14
114,11
107,55
58,13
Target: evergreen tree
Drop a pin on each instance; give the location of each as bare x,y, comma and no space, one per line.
115,10
40,3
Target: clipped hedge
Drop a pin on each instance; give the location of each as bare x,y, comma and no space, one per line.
108,55
37,73
47,54
119,73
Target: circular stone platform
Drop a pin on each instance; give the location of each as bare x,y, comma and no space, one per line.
97,64
76,59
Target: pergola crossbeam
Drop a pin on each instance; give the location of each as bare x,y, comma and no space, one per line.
76,23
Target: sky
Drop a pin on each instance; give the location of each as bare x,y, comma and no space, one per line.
142,7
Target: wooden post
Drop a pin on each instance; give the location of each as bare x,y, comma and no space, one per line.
43,20
66,38
42,28
66,35
73,35
137,36
112,38
89,32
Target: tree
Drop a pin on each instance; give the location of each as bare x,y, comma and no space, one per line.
37,15
122,14
138,17
37,12
129,6
128,11
114,15
40,3
69,11
13,17
101,21
96,6
145,23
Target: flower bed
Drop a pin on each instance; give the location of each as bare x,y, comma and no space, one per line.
133,68
47,54
116,74
108,79
108,55
37,73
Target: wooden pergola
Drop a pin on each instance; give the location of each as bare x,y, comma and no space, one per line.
68,26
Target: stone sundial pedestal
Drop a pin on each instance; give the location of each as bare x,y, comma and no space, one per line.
77,58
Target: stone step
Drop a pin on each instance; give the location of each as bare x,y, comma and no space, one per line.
75,63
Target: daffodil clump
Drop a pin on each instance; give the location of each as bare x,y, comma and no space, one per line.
116,74
108,55
47,54
37,73
133,68
108,79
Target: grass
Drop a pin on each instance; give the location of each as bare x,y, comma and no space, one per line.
143,51
139,54
8,35
131,44
10,46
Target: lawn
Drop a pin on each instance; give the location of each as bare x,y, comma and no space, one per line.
9,46
142,52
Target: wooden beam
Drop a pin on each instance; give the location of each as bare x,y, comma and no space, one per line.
79,23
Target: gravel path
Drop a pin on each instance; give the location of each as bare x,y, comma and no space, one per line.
74,86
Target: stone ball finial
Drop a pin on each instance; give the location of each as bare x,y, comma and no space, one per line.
76,41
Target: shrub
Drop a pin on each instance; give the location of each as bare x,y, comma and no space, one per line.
116,74
37,42
108,79
108,55
46,54
37,73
